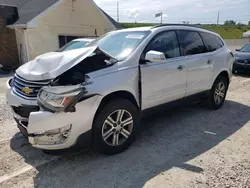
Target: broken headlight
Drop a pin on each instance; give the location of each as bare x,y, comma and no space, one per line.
60,98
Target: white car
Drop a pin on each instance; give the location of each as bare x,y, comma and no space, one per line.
72,45
95,95
75,44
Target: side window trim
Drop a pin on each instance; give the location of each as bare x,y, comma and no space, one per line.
205,46
179,44
158,34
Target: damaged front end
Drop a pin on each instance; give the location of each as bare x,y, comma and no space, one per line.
66,113
60,98
67,108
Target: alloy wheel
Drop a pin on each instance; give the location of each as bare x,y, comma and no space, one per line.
219,93
117,127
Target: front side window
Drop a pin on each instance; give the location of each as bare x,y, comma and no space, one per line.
120,44
166,43
212,42
190,42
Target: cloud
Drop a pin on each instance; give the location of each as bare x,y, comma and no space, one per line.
175,11
132,13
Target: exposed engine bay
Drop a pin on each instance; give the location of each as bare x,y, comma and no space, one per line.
96,61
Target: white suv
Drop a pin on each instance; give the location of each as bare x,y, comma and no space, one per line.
95,95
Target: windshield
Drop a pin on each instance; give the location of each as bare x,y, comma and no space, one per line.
120,44
246,48
73,45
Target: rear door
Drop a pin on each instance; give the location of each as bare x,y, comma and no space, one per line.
215,54
163,81
199,71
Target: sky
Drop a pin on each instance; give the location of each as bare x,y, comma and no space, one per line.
177,11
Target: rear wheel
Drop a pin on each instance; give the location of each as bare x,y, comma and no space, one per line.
115,126
217,94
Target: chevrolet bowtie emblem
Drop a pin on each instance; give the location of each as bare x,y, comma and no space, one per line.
27,90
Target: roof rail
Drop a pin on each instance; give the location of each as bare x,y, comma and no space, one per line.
163,25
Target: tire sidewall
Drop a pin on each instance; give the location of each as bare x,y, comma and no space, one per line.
217,81
98,142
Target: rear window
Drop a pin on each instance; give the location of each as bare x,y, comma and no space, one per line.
212,42
190,42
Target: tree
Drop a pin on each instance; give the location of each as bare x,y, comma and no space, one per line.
229,22
249,23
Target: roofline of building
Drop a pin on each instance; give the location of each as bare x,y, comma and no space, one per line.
17,26
95,5
8,5
33,22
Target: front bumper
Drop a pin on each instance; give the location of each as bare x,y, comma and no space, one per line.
41,121
241,67
80,121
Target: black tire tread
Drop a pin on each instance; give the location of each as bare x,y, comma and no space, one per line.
98,143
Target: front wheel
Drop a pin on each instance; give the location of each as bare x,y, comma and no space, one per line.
217,94
115,126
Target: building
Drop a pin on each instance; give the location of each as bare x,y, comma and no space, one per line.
30,28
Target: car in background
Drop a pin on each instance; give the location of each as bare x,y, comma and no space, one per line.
75,44
242,59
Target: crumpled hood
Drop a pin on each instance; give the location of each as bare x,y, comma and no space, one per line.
50,66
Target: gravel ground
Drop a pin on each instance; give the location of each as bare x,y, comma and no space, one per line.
185,147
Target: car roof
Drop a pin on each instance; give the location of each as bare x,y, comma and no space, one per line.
84,39
169,27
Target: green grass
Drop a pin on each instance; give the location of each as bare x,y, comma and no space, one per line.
226,32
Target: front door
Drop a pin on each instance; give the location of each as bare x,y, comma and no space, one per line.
163,81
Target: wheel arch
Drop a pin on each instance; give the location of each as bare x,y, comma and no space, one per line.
123,94
225,74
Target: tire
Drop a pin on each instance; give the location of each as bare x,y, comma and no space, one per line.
212,101
235,71
104,140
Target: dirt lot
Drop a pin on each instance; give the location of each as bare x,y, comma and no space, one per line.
185,147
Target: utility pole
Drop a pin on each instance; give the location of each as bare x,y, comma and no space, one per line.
161,17
218,18
118,11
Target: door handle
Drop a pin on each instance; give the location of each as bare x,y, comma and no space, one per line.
209,62
180,68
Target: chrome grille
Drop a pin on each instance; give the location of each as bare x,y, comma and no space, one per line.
27,89
244,61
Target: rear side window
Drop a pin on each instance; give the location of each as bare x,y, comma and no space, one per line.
190,42
167,43
212,42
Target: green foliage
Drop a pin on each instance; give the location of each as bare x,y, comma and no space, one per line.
233,32
131,25
230,22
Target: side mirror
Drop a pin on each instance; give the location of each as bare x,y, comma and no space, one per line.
155,57
237,50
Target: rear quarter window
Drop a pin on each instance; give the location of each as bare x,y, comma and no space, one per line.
212,42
